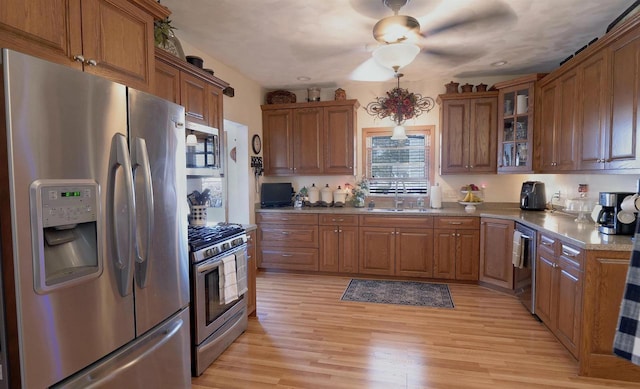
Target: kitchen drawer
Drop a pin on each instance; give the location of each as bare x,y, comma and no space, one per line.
286,218
457,222
288,235
396,221
547,244
572,255
343,220
289,258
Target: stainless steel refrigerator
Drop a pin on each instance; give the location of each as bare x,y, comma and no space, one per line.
94,245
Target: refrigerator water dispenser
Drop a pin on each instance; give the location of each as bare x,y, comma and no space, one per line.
64,222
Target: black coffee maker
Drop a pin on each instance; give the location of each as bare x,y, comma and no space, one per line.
612,221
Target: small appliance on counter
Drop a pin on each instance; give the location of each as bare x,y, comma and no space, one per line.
532,196
275,195
613,220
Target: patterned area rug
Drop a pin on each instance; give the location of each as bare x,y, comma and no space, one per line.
399,292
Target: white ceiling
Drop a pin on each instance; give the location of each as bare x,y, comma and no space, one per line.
276,41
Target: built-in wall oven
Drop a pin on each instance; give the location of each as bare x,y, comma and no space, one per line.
216,323
525,277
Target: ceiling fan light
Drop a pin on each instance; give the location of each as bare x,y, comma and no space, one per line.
399,133
397,28
396,54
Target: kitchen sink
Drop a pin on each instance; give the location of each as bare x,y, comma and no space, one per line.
403,210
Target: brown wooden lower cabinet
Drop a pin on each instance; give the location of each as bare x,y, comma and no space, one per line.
297,258
414,252
456,248
559,279
496,267
252,269
338,243
604,283
377,250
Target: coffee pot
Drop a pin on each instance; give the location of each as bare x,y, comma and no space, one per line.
613,220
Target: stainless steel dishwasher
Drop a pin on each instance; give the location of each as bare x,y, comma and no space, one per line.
525,277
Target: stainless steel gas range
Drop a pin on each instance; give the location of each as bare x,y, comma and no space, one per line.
218,287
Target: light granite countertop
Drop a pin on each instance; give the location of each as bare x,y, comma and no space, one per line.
558,224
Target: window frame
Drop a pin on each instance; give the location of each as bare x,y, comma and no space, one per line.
427,130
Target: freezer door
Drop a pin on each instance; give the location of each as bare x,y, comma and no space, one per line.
60,126
157,138
159,360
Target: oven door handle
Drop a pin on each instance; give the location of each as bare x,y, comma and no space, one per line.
208,266
522,236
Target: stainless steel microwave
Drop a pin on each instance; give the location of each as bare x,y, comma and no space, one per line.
203,145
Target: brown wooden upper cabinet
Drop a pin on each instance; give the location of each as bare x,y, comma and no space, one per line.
199,92
315,138
558,130
587,110
516,123
109,38
469,123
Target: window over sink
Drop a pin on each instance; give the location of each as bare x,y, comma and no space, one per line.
407,164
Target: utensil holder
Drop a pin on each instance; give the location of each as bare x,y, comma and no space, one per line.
198,216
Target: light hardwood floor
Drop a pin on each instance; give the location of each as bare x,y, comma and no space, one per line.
305,337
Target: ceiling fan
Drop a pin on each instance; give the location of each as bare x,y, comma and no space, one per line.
401,38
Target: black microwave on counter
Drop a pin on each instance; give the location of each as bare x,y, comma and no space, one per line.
275,195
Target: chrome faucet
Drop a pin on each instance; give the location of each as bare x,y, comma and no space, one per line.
398,202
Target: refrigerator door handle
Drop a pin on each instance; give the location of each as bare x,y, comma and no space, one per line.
140,164
119,158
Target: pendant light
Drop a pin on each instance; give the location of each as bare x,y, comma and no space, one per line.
191,140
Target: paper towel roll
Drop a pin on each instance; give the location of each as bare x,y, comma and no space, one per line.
436,197
630,203
522,104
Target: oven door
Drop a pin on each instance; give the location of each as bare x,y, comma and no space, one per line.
209,312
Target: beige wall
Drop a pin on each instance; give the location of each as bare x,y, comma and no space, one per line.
245,109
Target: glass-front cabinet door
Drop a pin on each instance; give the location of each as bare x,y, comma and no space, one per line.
515,124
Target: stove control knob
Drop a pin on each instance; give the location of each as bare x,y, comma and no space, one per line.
214,251
226,246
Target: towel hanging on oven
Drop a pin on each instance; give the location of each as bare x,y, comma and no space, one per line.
626,343
228,286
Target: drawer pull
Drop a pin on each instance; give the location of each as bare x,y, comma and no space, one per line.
284,233
455,223
284,219
287,255
545,243
568,254
337,220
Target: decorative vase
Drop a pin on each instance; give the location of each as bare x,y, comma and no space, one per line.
358,202
173,46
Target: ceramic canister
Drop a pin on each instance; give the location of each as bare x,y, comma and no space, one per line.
340,197
326,196
314,195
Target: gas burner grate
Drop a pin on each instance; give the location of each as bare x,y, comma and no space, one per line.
201,237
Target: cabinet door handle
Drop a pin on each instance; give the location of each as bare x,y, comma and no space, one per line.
453,234
248,256
335,230
285,233
568,254
91,62
458,235
284,219
471,167
545,243
555,265
455,223
287,255
466,166
78,58
340,231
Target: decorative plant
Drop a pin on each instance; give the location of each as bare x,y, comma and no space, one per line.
162,31
359,192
